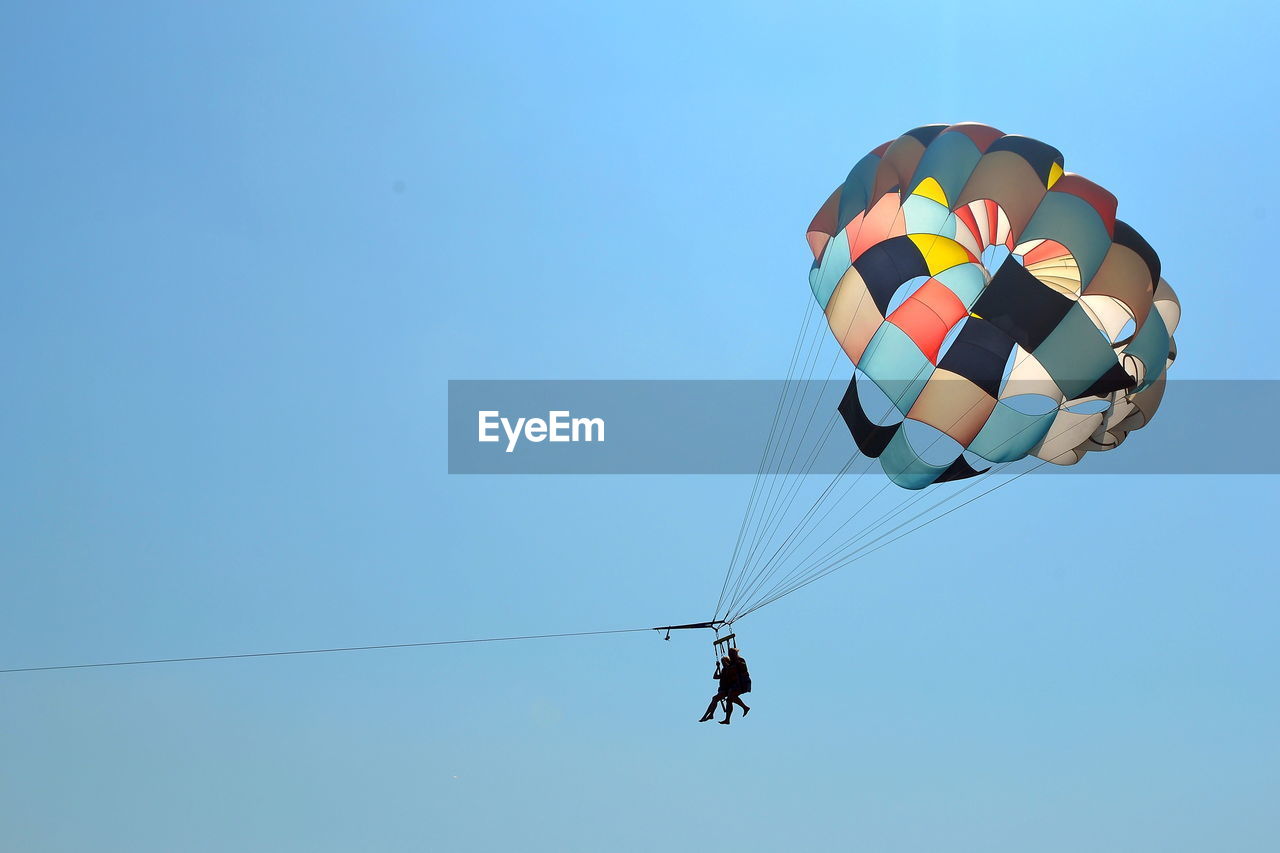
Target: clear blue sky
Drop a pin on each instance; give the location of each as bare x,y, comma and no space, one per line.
245,246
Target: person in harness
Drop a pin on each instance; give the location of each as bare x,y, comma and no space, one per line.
726,675
741,684
731,672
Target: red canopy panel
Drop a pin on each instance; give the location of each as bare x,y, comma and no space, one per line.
928,314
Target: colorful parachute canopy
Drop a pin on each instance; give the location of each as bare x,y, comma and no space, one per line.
992,304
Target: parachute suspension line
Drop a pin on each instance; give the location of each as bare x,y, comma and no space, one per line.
798,483
750,505
791,493
794,400
798,405
764,526
750,592
769,443
784,416
809,570
763,575
804,569
805,577
820,570
774,519
748,577
870,550
901,507
745,594
841,555
749,580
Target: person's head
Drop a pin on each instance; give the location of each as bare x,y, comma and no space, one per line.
733,653
725,659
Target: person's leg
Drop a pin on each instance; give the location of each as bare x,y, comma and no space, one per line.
737,700
728,711
711,709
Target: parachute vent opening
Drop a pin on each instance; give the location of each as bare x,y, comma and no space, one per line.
904,292
878,406
1031,404
1089,407
993,257
931,445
